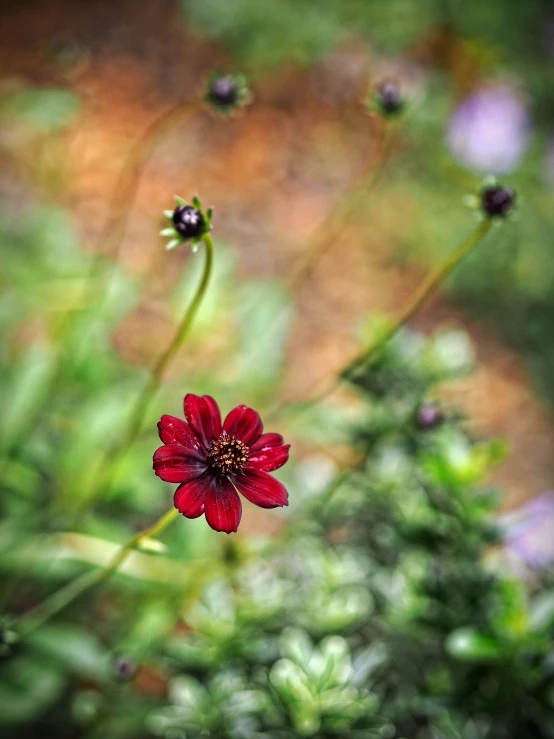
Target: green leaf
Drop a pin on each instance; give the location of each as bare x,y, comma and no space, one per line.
541,612
25,394
45,109
73,648
297,646
264,318
469,645
28,686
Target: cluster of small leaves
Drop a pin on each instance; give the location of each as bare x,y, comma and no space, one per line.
380,614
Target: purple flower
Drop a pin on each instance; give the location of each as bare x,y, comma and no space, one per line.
529,532
489,131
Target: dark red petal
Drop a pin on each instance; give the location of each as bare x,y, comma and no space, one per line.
176,463
223,507
175,431
203,416
269,459
190,497
261,489
244,423
267,440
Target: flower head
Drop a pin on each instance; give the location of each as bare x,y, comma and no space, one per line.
429,416
124,668
388,98
188,223
227,92
497,201
214,461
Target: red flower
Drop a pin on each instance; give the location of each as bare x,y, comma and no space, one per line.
214,462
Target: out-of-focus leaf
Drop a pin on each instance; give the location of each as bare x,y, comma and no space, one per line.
24,395
28,686
264,315
154,621
469,645
541,613
42,108
71,647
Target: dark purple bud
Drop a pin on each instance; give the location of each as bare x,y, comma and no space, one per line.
429,416
188,221
224,91
389,97
497,200
124,668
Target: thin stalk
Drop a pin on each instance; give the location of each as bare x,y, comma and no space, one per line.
427,288
329,231
59,600
164,360
429,285
129,178
143,401
121,205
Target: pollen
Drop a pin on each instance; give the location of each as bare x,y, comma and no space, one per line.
227,455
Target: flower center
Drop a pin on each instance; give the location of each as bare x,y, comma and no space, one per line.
227,455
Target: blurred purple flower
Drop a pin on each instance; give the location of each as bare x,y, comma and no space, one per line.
529,531
489,131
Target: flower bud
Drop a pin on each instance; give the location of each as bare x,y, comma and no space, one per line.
224,91
388,98
429,416
124,668
227,92
497,201
188,221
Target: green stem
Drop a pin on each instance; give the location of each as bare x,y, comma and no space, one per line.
129,178
48,608
143,401
429,285
164,360
329,231
424,291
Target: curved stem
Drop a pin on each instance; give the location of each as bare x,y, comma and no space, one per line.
329,231
429,285
423,292
143,401
122,201
129,178
163,361
69,592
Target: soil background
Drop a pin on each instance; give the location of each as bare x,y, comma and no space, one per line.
272,173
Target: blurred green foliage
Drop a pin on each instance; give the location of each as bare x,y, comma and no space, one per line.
387,606
380,612
303,31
